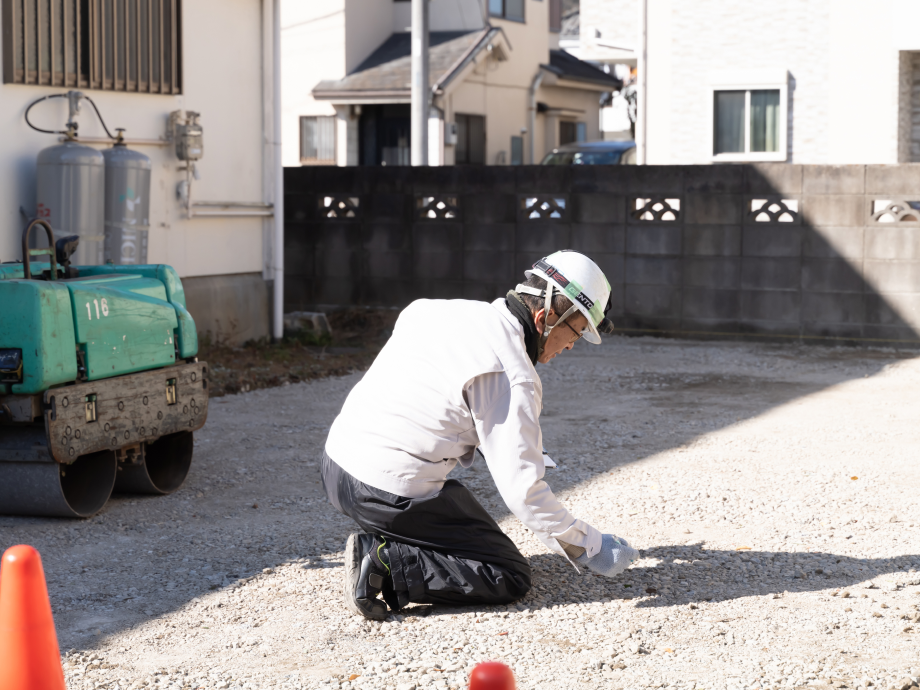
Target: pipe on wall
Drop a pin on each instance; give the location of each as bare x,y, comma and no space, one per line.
273,170
278,253
642,86
532,113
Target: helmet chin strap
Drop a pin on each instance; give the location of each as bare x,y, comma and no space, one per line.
547,307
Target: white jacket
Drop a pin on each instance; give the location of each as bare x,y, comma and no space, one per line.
455,376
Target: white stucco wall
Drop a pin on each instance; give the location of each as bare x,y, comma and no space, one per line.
443,15
368,23
222,79
312,49
617,22
866,39
842,57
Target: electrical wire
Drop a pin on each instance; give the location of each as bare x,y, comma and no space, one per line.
52,131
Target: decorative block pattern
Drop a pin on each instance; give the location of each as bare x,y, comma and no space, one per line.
440,207
339,206
656,209
774,210
543,207
895,211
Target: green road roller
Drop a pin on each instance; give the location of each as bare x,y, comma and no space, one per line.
100,386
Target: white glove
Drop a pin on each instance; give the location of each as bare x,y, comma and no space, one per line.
613,558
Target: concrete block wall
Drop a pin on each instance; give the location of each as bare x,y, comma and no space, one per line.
702,263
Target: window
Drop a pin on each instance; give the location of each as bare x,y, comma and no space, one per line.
517,150
572,132
317,140
507,9
113,45
471,140
749,123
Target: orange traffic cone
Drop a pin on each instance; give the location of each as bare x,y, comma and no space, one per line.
29,655
491,675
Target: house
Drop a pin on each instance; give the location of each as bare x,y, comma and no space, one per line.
502,90
802,81
604,33
215,220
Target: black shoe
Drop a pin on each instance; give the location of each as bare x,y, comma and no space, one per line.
366,576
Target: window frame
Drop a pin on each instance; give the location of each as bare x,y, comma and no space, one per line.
747,81
504,14
335,142
98,63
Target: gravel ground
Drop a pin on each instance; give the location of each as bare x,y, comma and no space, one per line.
771,489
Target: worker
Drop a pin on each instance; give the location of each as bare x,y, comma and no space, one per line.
457,376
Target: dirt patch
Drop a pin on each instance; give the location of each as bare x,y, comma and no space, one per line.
357,337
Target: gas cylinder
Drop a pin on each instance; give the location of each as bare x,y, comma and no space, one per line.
69,193
127,204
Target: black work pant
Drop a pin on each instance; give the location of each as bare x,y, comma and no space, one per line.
444,549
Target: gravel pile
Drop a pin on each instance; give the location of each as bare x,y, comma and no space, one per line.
772,491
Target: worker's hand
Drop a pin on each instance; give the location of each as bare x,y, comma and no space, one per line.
613,558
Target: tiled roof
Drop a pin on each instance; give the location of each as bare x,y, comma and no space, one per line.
388,70
570,67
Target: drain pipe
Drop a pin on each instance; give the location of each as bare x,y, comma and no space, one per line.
532,124
278,187
642,86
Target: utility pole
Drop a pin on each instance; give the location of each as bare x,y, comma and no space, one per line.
421,93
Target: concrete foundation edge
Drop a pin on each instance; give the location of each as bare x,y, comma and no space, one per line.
229,309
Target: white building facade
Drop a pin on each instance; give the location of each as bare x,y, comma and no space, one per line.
802,81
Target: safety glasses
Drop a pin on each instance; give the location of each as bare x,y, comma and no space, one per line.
576,333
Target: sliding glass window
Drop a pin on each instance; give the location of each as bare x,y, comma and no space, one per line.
747,122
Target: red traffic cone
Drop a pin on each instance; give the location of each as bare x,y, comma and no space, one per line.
29,655
491,675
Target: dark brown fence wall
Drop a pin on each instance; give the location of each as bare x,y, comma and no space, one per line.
773,249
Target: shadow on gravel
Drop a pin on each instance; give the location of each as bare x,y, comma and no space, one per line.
688,574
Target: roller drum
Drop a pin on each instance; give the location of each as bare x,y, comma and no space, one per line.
31,483
164,467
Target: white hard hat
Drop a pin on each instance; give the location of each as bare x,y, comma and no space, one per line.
579,279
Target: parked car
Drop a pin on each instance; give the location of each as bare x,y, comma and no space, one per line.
593,153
